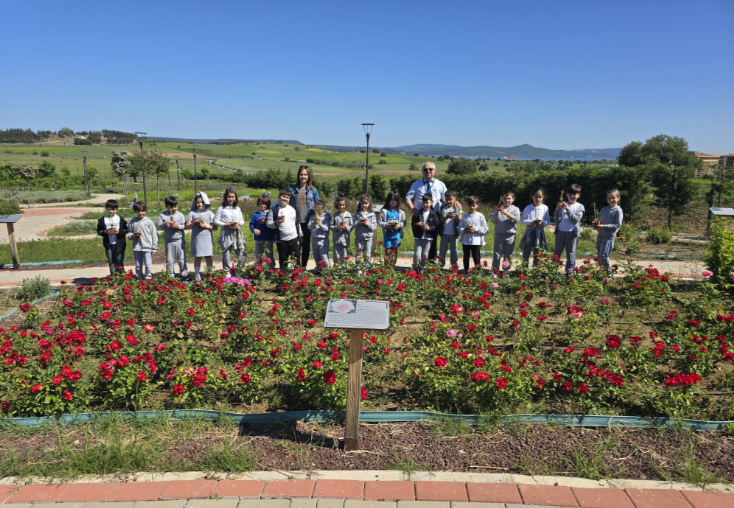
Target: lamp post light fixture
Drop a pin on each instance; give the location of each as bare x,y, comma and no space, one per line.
86,175
367,131
140,140
195,180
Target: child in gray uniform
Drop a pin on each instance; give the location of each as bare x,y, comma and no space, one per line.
610,220
229,218
449,216
365,224
320,225
568,218
504,218
173,223
199,222
341,225
144,235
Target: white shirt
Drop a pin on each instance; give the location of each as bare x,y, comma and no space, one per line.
566,225
228,214
478,221
437,190
112,223
449,227
425,218
288,229
531,214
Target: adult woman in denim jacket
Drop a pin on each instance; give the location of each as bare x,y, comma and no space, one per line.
303,197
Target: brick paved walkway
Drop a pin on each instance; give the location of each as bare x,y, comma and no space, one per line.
325,493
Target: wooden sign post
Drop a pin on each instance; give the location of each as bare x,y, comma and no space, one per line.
10,220
357,316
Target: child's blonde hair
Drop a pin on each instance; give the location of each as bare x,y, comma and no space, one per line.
614,191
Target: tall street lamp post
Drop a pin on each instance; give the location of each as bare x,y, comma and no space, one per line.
367,131
178,175
195,180
86,175
140,140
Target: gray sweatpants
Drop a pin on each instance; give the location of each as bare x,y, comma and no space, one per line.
365,245
176,253
567,240
241,256
143,258
421,252
320,248
341,253
604,248
504,245
452,242
261,250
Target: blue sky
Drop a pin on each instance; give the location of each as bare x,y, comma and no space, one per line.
560,74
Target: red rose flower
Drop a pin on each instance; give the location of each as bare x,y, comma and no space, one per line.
178,390
329,377
301,377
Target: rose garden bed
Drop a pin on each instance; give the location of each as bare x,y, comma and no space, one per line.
531,343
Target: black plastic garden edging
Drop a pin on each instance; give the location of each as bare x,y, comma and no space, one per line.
375,417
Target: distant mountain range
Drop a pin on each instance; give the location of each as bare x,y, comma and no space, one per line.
521,151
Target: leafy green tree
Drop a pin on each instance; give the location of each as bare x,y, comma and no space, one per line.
440,158
382,161
378,188
413,167
375,150
119,163
484,167
447,157
95,137
46,170
722,185
674,188
65,132
416,155
462,166
92,172
383,154
65,171
660,149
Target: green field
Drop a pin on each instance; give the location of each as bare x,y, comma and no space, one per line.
245,157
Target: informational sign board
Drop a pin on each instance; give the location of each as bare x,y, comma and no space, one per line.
722,212
358,314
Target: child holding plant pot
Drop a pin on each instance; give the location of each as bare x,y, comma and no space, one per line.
144,234
113,230
229,218
425,229
505,218
200,222
392,221
568,217
536,218
610,220
341,225
472,228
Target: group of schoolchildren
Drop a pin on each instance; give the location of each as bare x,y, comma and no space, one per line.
143,232
278,224
471,228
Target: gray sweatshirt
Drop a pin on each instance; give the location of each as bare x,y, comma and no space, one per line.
365,232
341,237
172,234
148,235
574,214
502,224
320,232
610,220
